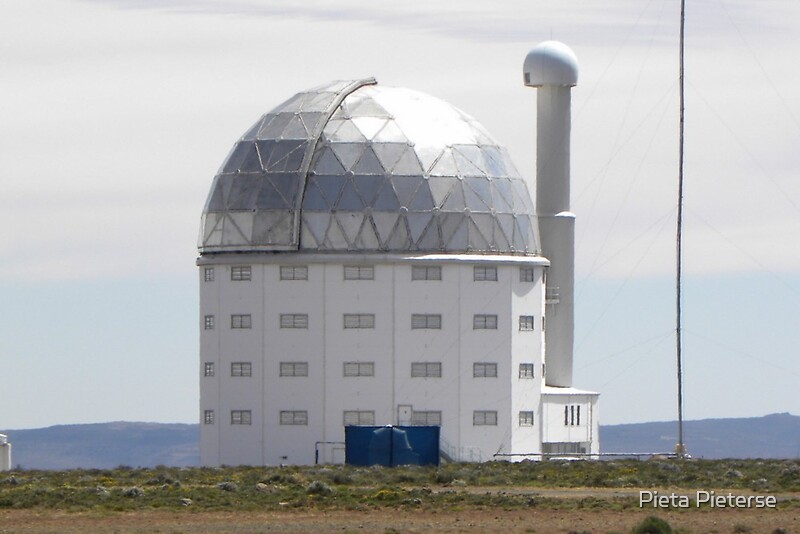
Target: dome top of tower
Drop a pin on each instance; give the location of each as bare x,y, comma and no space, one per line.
550,63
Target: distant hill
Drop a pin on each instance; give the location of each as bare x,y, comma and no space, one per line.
108,445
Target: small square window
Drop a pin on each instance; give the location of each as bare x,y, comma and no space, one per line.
294,417
526,323
359,418
484,322
484,418
426,370
208,369
209,322
484,274
525,418
241,369
484,370
241,417
359,368
294,272
359,320
359,272
294,369
426,418
294,320
420,272
241,321
208,274
241,273
208,417
526,370
527,274
426,321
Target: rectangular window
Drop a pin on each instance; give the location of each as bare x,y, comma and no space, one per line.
359,368
426,370
209,322
359,320
241,273
241,417
484,370
359,272
526,370
208,417
426,321
294,369
208,274
208,369
294,272
526,323
484,418
525,418
294,417
572,415
484,274
359,418
241,321
484,322
427,418
294,320
527,274
420,272
241,369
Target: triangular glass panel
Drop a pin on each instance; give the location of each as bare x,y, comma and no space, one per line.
368,163
407,164
499,203
265,148
327,163
455,200
521,190
251,133
493,160
244,192
405,187
312,120
224,183
307,240
423,201
346,133
331,187
216,200
335,239
465,166
286,184
399,238
286,155
389,153
350,224
212,223
295,129
511,170
349,199
269,198
313,199
348,153
504,189
519,236
368,126
449,223
524,224
459,241
485,224
251,161
274,124
272,227
390,133
477,241
431,238
367,187
427,155
317,224
506,225
440,187
477,194
445,165
386,199
500,241
417,222
368,108
367,240
238,228
238,154
384,224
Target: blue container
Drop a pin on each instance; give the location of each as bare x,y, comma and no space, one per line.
391,445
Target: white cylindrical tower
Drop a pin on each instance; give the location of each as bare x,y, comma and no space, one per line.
5,453
552,68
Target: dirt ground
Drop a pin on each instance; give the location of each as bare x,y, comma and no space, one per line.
540,521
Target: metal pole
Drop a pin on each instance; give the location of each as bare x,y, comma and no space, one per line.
681,449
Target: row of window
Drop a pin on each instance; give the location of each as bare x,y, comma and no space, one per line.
418,370
419,321
367,418
240,273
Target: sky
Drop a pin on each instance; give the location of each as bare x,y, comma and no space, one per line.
116,115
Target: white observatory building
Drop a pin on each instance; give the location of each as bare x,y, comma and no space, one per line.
370,255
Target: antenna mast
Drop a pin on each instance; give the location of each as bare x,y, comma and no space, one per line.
681,447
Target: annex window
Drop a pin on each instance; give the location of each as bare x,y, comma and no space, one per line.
294,369
572,415
484,274
359,272
294,320
525,418
484,370
208,369
359,320
241,369
241,273
426,370
426,321
426,418
484,418
208,274
208,322
526,370
241,321
527,274
422,272
208,417
359,368
484,322
526,323
359,418
241,417
294,272
294,417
